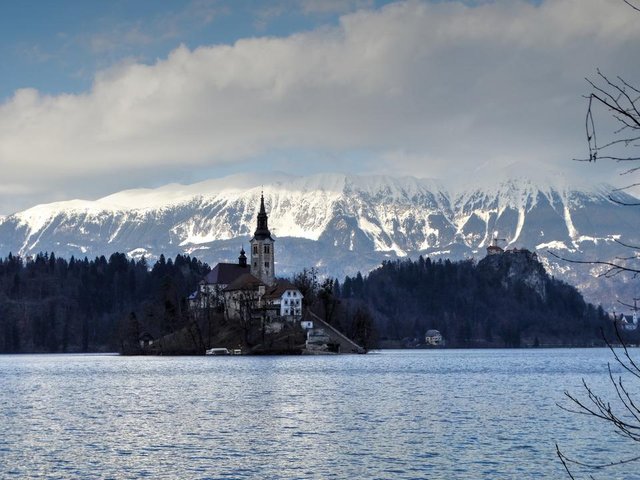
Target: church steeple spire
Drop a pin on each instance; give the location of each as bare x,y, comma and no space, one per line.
262,231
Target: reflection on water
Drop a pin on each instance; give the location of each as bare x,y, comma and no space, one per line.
398,414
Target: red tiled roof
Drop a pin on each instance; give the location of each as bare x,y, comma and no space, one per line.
279,288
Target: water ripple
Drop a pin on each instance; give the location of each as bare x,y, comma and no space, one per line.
402,415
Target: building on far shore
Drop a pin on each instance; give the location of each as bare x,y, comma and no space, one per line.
627,322
433,338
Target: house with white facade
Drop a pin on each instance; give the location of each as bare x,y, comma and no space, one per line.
285,299
433,338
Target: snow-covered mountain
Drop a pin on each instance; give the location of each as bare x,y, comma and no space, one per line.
342,223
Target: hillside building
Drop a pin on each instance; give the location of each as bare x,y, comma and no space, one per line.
627,322
495,249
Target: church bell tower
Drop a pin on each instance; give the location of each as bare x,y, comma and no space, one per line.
262,254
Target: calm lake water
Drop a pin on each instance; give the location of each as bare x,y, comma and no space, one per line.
450,414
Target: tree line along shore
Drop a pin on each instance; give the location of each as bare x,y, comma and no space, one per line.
50,304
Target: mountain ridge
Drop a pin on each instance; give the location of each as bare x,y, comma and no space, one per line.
337,222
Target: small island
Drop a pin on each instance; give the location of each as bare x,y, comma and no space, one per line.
243,308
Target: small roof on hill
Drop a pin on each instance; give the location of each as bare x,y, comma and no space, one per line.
246,281
279,288
225,273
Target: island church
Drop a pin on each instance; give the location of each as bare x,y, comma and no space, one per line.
251,289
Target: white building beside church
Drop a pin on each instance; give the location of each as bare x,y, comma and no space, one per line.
285,299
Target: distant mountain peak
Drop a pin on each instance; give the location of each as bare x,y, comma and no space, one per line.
340,223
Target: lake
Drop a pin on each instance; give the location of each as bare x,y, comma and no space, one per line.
450,414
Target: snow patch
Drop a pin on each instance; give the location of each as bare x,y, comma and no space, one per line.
554,245
521,218
440,252
138,253
199,248
369,228
586,238
573,233
79,247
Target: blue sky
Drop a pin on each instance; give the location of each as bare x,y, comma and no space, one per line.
96,97
57,46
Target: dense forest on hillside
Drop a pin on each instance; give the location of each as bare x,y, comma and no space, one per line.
49,304
503,300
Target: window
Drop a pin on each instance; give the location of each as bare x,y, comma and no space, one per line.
288,294
255,249
266,264
267,248
286,302
255,264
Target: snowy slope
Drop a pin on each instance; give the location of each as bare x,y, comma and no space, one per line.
340,223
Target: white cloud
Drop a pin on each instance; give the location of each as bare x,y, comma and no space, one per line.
446,82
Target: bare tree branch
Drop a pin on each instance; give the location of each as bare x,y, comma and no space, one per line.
620,99
627,304
628,2
612,270
625,417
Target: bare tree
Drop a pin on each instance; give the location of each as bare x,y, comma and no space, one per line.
620,101
241,310
623,415
619,142
307,282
